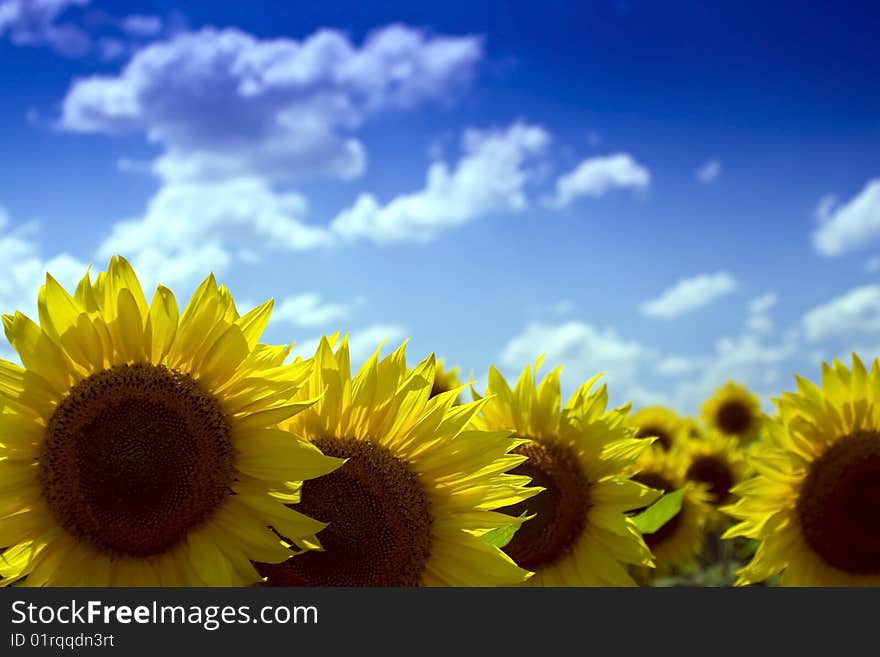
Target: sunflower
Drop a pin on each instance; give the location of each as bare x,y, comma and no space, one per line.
580,534
717,462
139,447
418,489
660,423
678,542
814,504
445,380
691,430
734,411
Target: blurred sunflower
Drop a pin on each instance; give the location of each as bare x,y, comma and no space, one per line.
139,447
814,504
734,411
579,535
445,380
658,422
677,543
719,463
691,429
419,486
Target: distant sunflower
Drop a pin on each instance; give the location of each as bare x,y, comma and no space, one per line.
717,462
734,411
139,447
677,543
580,534
691,429
418,489
658,422
445,380
814,504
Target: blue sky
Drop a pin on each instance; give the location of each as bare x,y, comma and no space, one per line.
675,194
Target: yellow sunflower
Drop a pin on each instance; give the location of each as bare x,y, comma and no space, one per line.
445,380
717,462
139,447
580,534
814,503
660,423
734,411
418,489
691,429
678,542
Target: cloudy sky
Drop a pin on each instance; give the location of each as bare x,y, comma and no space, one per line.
675,195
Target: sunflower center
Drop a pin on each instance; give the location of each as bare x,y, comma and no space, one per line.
733,417
560,510
135,457
663,437
714,471
380,522
839,504
659,482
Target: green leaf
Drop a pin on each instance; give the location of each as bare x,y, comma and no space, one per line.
660,512
501,536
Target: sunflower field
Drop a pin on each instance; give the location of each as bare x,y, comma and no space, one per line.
147,444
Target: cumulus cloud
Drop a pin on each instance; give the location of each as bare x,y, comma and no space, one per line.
36,23
562,307
141,25
224,103
850,226
689,294
759,319
583,349
675,365
709,172
308,309
856,312
190,227
643,374
747,359
26,267
363,342
596,176
490,177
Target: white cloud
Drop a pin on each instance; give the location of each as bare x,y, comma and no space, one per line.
562,307
689,294
189,227
759,319
674,365
596,176
709,172
224,103
633,368
34,23
746,359
759,323
26,267
583,349
850,226
141,25
363,342
763,303
129,165
490,177
111,48
825,208
308,309
850,314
